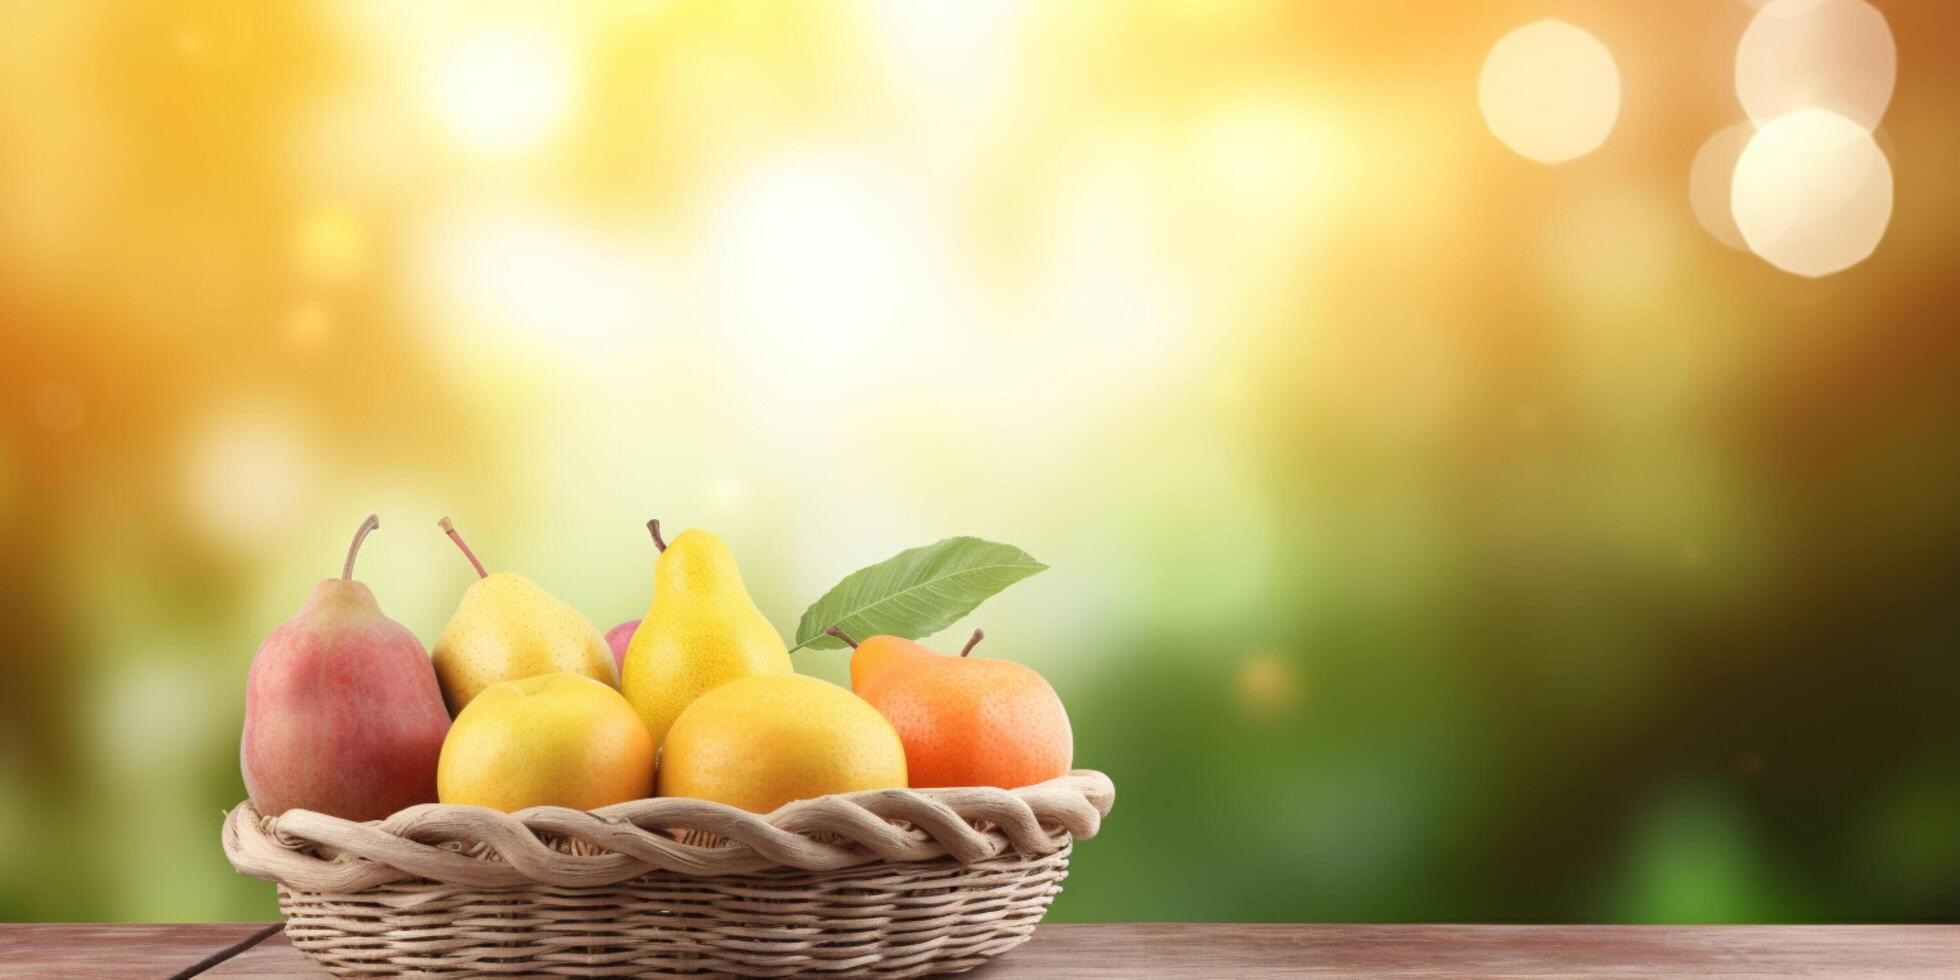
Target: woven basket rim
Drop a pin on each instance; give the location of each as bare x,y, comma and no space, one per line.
477,847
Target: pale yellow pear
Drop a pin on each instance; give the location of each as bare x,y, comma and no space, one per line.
507,628
702,631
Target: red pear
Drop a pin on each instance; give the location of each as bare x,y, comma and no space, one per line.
342,711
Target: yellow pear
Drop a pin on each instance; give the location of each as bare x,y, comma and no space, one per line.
702,631
507,628
760,742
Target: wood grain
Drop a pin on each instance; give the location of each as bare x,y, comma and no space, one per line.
1177,951
88,951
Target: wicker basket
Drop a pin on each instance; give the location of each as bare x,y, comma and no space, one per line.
893,883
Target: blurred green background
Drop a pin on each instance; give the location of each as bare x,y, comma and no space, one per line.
1436,534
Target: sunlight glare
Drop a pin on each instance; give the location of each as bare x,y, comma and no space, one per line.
534,284
501,90
1267,166
820,251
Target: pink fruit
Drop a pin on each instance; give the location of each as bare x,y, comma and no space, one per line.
617,638
342,711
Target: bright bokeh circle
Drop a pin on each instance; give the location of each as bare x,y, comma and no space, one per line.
1812,193
1711,181
1829,54
1550,91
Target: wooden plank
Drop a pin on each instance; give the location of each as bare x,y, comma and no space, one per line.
1259,951
1264,951
70,950
275,957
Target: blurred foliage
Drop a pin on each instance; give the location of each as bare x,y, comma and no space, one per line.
1435,534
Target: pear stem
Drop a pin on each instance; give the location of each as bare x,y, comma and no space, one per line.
360,535
659,542
840,634
449,528
978,635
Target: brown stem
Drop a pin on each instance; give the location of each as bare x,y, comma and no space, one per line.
654,527
840,634
360,535
450,529
978,635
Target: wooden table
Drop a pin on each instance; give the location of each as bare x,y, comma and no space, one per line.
1161,950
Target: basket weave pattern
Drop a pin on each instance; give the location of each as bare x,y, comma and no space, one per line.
881,883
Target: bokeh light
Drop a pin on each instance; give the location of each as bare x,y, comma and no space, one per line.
1269,685
1711,181
330,245
1267,169
1550,91
1813,193
540,284
500,89
247,472
819,252
152,712
1829,54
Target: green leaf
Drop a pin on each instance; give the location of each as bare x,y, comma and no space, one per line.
914,593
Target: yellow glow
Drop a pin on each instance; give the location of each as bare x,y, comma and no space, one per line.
1550,91
1110,271
500,90
1710,181
212,34
1645,247
1266,167
817,251
308,326
248,475
330,245
952,52
1813,193
352,148
56,187
543,285
1830,54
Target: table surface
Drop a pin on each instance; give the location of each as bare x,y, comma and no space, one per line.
1160,950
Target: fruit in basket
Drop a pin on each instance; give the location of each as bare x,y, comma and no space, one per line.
342,712
617,638
876,659
763,741
549,740
701,631
508,628
965,721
